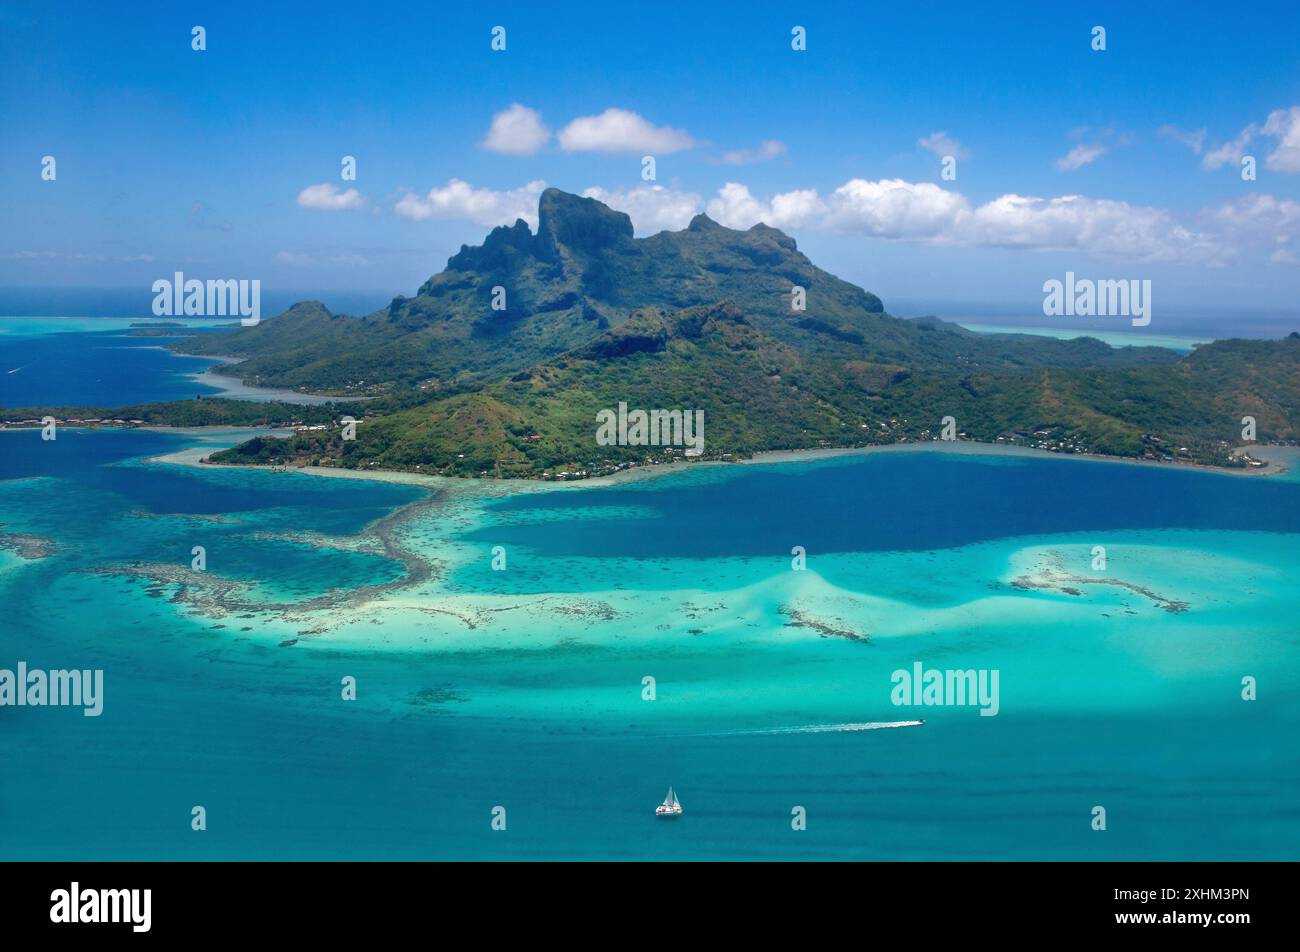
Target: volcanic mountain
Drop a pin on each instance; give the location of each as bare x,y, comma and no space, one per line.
503,363
582,274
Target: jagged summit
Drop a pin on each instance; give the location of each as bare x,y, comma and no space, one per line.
570,225
702,222
566,221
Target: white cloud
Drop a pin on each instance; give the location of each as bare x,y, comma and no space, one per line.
1079,156
484,206
942,144
618,130
767,149
897,210
327,198
1256,219
796,209
735,207
1284,125
1192,139
652,208
893,208
1281,124
1229,152
516,130
1097,226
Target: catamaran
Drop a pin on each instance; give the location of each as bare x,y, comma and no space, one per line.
670,807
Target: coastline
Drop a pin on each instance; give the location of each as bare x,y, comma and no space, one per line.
979,448
193,456
232,388
1273,467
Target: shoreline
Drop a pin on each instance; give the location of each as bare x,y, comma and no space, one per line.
194,456
979,448
232,388
1273,467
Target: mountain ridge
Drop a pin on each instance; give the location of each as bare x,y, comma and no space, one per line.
580,274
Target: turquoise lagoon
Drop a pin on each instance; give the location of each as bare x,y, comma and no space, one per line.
524,687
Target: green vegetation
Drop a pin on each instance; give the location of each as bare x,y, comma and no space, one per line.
701,319
760,394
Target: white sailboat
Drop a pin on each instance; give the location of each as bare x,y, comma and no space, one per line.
670,807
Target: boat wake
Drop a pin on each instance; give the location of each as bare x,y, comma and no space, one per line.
821,728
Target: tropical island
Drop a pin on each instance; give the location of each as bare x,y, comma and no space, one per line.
500,365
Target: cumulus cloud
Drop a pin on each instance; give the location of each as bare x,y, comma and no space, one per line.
1231,151
618,130
1192,139
1256,217
1284,125
1098,226
941,144
328,198
1079,156
897,210
767,149
893,208
652,208
516,130
1281,124
484,206
1258,221
735,207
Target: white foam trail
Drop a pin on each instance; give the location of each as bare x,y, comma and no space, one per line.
824,728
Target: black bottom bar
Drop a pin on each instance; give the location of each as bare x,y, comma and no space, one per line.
1210,901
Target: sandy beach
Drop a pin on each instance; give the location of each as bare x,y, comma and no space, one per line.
1279,459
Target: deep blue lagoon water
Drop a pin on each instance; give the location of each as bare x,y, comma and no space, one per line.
71,362
908,501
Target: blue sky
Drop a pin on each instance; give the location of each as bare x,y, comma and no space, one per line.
171,159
